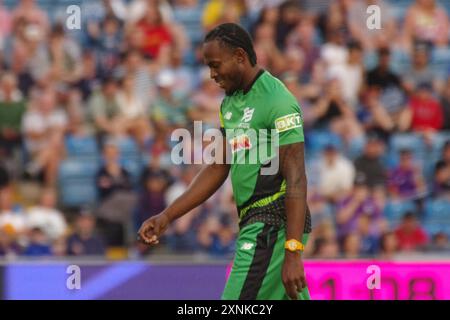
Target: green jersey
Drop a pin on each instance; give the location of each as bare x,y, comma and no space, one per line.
256,122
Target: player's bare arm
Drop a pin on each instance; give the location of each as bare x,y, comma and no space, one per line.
204,185
292,168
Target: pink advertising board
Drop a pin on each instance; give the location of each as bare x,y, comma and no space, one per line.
356,280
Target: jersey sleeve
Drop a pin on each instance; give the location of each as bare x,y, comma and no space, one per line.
287,119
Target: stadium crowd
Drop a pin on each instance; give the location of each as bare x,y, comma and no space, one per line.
86,118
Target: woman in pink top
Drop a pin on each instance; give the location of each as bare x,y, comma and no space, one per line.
426,21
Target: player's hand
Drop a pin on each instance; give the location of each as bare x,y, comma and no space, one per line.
293,274
153,228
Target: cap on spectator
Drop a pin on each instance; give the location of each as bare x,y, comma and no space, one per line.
165,79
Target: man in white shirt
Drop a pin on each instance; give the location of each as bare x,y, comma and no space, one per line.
336,174
47,217
43,126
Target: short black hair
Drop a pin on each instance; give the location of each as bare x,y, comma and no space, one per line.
233,36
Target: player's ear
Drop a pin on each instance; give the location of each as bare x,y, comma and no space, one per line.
240,55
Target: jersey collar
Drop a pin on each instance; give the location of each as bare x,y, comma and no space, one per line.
247,89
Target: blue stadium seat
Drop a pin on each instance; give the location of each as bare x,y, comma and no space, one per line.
134,166
317,140
435,226
439,139
77,168
394,210
411,141
128,147
437,210
78,192
85,147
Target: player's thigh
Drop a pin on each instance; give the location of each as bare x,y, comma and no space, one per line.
248,247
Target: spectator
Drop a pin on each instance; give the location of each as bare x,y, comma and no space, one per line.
206,101
325,249
133,112
304,39
12,109
39,245
84,241
9,247
5,25
184,75
385,97
369,235
320,209
424,113
46,217
117,200
333,113
107,43
360,202
152,196
406,181
156,35
4,177
44,126
104,109
290,14
442,173
64,56
30,12
325,241
381,77
410,235
169,111
369,165
439,243
389,245
217,237
216,12
334,52
12,218
143,71
90,78
349,74
267,53
351,245
336,174
445,103
420,71
426,21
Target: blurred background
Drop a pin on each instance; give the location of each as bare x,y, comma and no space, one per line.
86,117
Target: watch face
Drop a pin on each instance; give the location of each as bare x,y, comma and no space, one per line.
292,245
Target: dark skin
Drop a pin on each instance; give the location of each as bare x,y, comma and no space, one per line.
232,70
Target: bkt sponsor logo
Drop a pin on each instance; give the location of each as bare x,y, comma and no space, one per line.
288,122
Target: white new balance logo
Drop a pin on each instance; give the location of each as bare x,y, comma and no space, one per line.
248,114
247,246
